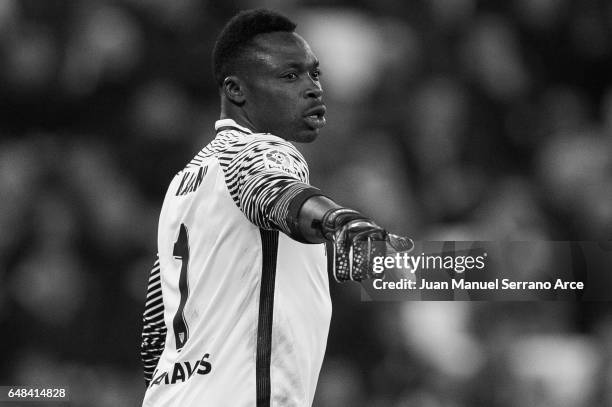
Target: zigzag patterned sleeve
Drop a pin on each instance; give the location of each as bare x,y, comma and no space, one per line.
267,177
154,329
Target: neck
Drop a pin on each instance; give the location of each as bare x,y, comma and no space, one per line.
230,111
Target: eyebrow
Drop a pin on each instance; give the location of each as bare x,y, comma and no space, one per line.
298,65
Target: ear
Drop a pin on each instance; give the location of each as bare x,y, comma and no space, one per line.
233,88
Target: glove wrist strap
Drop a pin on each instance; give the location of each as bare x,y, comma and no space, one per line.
335,218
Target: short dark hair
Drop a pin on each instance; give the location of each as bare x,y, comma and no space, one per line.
236,36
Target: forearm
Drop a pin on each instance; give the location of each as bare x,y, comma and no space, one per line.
299,212
310,218
312,212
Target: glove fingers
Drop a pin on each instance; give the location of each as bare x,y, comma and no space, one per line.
400,243
375,234
355,243
365,247
341,261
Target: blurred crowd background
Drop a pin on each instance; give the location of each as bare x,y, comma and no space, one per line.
447,119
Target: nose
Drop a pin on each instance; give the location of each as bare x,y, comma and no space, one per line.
314,90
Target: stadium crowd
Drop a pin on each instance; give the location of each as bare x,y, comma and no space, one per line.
447,120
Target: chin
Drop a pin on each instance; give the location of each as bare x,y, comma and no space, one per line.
307,136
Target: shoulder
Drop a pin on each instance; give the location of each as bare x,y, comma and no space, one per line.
276,153
274,144
264,152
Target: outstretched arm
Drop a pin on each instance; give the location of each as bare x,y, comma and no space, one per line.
354,239
268,180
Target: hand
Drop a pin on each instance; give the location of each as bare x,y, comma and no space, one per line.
354,241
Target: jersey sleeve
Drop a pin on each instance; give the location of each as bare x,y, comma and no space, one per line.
268,180
153,326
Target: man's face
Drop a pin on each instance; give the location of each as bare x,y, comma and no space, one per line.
283,95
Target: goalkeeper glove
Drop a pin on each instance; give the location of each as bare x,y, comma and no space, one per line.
353,243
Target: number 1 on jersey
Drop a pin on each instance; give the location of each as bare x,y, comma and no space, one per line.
181,252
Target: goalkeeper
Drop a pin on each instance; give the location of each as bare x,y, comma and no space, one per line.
238,305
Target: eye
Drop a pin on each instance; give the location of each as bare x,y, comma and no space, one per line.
290,75
316,74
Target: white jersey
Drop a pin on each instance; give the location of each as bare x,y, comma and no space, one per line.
237,313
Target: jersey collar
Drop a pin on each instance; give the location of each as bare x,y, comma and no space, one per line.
226,124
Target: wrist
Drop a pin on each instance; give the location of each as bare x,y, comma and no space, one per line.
334,219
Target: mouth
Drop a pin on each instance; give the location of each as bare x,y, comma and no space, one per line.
315,117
